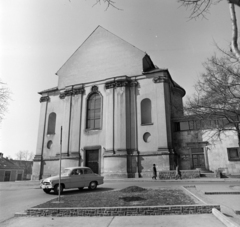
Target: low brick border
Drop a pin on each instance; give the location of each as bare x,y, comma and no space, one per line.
222,193
123,211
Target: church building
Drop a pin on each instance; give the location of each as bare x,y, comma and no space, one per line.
116,112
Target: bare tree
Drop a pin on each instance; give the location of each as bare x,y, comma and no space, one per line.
199,8
4,99
217,95
24,155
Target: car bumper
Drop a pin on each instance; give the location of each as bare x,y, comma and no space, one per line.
48,186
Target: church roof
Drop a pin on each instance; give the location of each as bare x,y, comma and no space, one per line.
102,56
7,164
176,85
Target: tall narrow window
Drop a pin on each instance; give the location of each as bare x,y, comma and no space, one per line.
146,112
51,123
94,113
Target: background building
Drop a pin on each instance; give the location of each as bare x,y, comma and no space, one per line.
9,171
198,146
27,166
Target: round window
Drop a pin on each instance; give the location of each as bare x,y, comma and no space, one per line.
147,137
49,144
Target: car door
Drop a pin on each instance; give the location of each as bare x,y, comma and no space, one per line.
77,178
89,176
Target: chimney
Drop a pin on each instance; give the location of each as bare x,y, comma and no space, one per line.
1,155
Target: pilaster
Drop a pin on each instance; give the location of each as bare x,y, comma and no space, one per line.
161,113
71,120
42,125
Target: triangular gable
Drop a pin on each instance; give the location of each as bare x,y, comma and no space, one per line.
102,55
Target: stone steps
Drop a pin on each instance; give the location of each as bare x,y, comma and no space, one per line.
208,175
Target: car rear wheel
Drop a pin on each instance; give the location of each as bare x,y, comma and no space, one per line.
57,188
92,185
47,190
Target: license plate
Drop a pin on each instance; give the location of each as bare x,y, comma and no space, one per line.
44,186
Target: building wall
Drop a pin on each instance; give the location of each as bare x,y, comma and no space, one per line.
13,176
123,151
215,149
2,173
217,152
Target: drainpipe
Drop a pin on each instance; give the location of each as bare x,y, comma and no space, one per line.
136,131
80,127
43,140
69,126
114,117
130,153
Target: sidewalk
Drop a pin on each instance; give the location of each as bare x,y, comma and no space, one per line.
229,203
206,220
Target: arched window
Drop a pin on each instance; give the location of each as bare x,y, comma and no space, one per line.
51,123
94,111
146,111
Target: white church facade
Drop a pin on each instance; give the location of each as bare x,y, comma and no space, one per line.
117,113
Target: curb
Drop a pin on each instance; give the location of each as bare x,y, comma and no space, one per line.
222,193
224,219
191,193
122,211
173,180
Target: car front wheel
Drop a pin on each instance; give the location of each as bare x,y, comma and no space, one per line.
92,185
47,190
57,188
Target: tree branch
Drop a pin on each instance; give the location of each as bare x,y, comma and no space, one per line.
234,43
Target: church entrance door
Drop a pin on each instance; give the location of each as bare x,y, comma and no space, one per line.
92,160
198,159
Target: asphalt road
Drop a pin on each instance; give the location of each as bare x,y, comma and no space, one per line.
18,196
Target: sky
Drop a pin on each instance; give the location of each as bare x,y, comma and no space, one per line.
37,38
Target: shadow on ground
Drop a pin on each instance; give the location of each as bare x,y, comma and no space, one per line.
83,191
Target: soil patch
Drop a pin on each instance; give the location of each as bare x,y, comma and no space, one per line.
132,189
131,196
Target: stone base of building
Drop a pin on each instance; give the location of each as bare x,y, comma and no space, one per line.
111,166
51,166
185,174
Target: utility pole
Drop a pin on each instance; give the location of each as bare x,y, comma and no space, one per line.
60,163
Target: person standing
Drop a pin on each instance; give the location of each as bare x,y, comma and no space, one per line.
154,172
178,173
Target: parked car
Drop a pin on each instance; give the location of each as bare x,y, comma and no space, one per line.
72,177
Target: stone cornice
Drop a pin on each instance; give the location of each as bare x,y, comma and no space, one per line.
44,99
160,79
121,83
74,91
133,83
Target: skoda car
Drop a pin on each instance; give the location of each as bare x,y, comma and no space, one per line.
72,177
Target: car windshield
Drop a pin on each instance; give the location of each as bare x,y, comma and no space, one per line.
66,172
